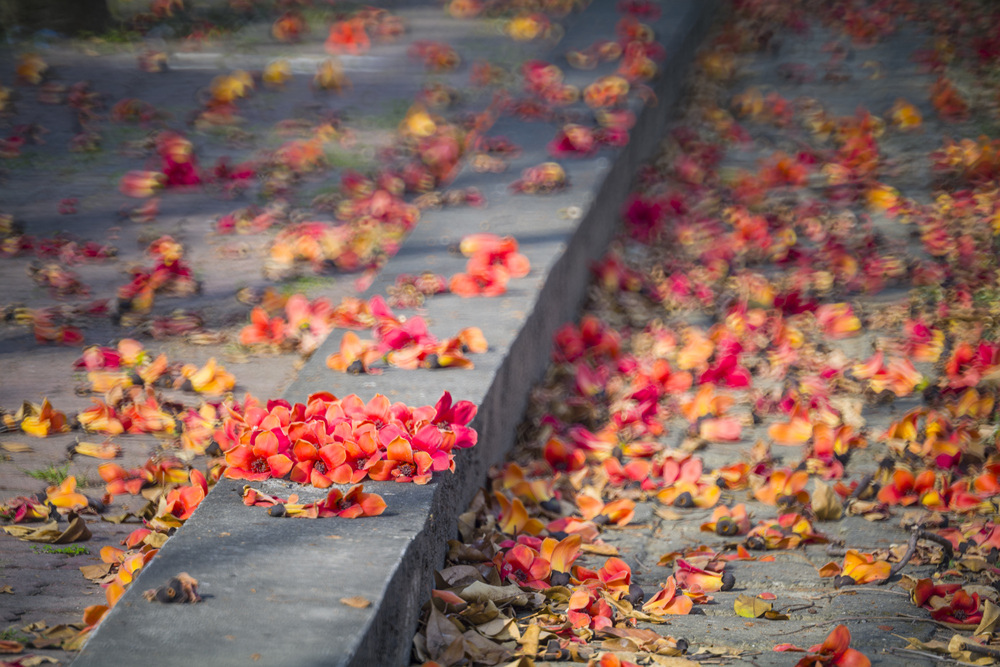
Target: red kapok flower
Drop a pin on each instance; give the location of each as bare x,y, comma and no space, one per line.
263,458
352,504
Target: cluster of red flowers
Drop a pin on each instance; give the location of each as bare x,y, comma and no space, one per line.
171,276
329,440
493,261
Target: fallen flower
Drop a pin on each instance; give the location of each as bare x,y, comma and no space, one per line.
669,601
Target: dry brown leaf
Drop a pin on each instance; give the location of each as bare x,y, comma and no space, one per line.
10,646
6,589
156,539
991,616
356,601
481,592
751,607
16,448
667,514
826,503
443,636
96,572
529,640
599,549
77,531
483,651
671,661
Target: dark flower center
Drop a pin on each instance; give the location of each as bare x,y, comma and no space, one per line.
320,467
343,504
406,470
260,464
959,614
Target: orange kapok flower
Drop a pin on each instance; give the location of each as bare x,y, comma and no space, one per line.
835,651
838,320
277,73
698,580
120,481
905,116
65,497
348,36
524,566
212,379
263,330
352,504
690,494
289,27
330,76
905,488
101,418
796,431
355,356
784,483
514,517
561,554
262,459
961,609
403,464
182,501
31,68
43,420
728,522
615,575
863,568
668,601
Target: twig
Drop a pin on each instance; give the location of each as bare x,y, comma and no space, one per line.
924,654
979,649
911,548
863,485
908,617
949,551
798,607
844,619
917,534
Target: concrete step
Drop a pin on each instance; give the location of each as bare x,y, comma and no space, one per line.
273,587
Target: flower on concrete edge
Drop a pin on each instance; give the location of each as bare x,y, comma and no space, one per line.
352,504
402,464
263,458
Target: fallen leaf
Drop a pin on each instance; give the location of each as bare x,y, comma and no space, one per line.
156,540
442,635
991,616
10,646
826,503
599,549
529,640
77,531
481,592
356,601
96,572
749,607
6,589
16,448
